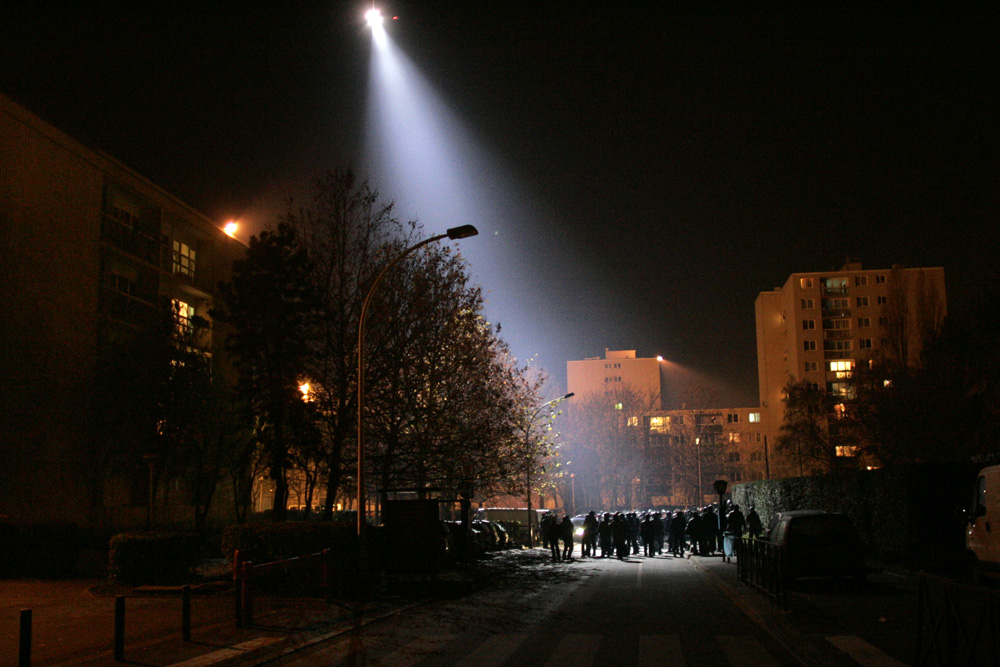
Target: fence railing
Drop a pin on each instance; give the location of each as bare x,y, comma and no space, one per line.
246,574
957,624
759,564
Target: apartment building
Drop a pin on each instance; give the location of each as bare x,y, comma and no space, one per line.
94,254
616,370
819,326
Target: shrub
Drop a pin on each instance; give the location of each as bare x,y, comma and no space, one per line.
152,558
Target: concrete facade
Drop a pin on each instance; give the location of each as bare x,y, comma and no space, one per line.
818,326
618,368
92,252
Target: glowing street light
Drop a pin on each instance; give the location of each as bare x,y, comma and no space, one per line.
230,229
374,18
455,233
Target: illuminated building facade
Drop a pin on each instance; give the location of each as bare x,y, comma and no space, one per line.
818,326
687,450
618,369
94,254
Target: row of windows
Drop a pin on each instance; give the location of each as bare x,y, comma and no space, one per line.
617,378
842,323
612,365
839,345
839,283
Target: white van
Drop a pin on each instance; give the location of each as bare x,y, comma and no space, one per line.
982,535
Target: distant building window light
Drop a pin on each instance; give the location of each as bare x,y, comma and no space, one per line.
841,366
658,425
847,450
806,283
619,406
754,417
808,345
862,301
633,421
182,313
184,259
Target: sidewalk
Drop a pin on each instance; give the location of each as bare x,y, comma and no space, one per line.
73,624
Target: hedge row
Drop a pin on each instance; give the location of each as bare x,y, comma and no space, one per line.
266,542
153,558
907,514
39,550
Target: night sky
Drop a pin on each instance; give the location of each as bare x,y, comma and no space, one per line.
638,174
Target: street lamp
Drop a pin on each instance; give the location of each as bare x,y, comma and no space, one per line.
527,452
455,233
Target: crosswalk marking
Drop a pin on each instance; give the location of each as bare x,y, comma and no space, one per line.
661,650
415,651
863,652
745,649
493,651
575,650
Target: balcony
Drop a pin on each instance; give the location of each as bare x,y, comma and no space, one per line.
146,247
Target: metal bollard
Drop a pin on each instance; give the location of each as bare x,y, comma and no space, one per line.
24,647
119,628
186,613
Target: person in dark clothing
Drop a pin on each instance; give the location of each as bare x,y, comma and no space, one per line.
735,522
646,533
607,539
632,519
677,526
754,525
619,532
658,534
566,530
552,537
543,528
590,528
693,530
709,531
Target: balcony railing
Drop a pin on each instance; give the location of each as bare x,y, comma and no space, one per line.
147,247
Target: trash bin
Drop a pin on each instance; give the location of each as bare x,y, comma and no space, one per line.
728,544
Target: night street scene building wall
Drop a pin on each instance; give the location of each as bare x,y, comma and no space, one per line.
96,257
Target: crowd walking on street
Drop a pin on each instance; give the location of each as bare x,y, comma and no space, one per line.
678,533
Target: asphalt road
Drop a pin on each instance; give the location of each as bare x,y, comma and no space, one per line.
642,611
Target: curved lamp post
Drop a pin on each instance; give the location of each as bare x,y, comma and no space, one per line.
528,466
455,233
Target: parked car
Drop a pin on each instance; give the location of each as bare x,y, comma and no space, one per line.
816,543
982,545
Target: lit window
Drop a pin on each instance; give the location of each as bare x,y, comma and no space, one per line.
840,389
847,450
619,406
808,345
805,283
184,259
633,421
754,417
862,301
658,424
841,366
182,313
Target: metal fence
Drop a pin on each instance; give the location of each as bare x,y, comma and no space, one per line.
957,624
759,564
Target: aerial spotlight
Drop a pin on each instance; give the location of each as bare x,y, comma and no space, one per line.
374,18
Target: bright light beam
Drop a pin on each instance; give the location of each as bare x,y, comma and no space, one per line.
375,22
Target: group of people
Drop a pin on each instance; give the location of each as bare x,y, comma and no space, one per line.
620,534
